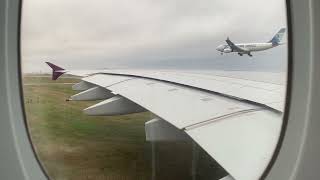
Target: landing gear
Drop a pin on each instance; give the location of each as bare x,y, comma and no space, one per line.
240,54
221,53
249,54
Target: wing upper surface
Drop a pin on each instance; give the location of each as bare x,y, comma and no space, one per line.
233,119
239,135
237,121
178,105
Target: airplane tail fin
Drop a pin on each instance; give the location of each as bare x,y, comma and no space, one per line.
56,71
276,40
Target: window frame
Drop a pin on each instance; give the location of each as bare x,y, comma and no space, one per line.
296,155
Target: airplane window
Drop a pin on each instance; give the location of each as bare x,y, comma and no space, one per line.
140,90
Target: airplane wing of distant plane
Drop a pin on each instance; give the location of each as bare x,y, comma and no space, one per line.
235,47
236,121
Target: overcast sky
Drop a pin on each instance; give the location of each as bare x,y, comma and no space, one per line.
175,34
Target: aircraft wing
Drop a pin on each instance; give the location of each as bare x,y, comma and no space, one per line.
236,121
234,47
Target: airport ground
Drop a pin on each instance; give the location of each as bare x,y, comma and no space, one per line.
73,146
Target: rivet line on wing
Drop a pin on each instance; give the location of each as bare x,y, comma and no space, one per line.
121,82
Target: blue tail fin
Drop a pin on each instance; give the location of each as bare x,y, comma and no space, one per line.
278,37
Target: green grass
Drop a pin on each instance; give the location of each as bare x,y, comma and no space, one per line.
72,145
47,79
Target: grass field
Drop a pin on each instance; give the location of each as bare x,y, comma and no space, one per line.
73,146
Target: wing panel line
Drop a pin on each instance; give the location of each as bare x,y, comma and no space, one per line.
223,117
121,82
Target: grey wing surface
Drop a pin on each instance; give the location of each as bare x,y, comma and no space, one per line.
228,117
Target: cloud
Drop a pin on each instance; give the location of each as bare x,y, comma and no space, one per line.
148,33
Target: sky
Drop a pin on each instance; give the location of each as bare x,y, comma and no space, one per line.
149,34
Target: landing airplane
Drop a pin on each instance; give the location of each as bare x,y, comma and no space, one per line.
247,48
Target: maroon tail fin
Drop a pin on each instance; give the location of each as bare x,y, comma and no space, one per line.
56,71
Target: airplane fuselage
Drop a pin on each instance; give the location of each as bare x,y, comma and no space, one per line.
255,46
246,47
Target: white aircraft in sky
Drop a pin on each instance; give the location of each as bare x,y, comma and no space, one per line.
247,48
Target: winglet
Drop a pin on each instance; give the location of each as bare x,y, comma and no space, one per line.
56,71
